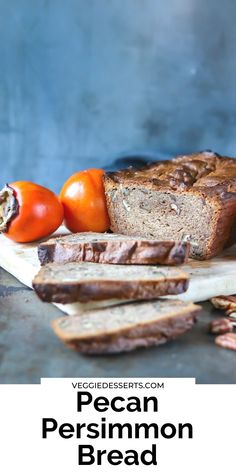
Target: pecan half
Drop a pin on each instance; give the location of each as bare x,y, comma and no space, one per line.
221,326
225,303
227,341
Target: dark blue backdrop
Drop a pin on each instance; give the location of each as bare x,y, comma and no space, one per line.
85,81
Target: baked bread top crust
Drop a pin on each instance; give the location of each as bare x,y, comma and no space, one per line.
203,172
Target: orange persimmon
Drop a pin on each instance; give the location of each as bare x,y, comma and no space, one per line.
83,199
28,211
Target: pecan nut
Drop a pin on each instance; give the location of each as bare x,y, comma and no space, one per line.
221,326
224,303
227,341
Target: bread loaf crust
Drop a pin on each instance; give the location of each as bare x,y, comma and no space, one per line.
207,171
120,251
205,175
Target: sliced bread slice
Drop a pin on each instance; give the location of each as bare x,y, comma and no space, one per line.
126,327
112,249
73,282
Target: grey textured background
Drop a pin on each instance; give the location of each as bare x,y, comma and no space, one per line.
85,81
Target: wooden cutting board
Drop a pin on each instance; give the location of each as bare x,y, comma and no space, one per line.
207,278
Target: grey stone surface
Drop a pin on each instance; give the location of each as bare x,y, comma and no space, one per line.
85,81
29,349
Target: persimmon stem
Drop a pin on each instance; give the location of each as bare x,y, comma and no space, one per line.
9,207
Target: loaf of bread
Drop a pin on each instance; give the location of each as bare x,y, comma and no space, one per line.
190,198
126,327
83,282
111,249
